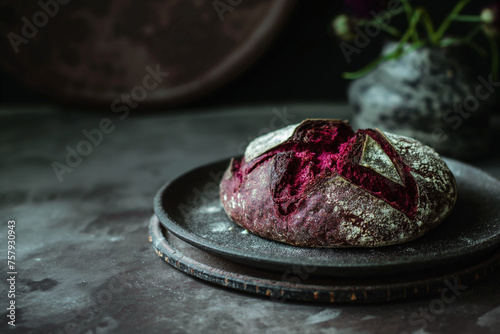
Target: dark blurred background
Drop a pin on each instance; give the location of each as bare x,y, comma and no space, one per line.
303,63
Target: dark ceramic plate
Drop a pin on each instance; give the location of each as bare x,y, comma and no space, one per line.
189,207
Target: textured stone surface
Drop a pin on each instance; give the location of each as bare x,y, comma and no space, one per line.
84,259
428,95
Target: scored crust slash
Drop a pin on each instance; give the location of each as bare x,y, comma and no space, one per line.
320,184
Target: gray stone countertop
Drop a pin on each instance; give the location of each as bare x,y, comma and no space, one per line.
83,261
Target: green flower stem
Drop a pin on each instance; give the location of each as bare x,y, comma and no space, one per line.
396,53
467,18
473,33
435,37
391,30
494,57
408,10
429,26
369,67
413,27
479,49
385,27
388,28
449,19
459,41
450,42
409,15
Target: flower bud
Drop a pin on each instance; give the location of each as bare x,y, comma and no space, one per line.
343,27
490,17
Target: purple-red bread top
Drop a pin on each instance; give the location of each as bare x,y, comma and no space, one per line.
319,184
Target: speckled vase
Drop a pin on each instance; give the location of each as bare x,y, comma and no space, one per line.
427,94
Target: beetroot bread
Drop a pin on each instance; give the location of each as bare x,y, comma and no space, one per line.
319,184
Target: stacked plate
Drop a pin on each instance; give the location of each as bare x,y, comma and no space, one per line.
192,232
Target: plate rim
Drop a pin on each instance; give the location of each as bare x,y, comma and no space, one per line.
352,292
444,257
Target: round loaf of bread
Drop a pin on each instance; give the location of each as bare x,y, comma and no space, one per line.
319,184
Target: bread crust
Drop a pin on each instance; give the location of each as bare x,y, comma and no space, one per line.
331,210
